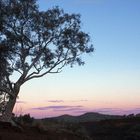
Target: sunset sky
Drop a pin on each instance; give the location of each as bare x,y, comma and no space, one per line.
109,82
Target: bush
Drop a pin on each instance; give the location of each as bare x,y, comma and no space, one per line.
25,119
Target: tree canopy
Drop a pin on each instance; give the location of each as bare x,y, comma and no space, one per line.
34,43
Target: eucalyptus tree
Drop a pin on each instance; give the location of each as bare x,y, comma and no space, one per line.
39,43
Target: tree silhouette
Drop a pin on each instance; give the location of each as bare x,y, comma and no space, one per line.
36,43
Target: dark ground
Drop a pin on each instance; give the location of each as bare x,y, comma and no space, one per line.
118,129
8,132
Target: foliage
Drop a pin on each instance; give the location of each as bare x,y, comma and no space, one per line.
34,43
42,41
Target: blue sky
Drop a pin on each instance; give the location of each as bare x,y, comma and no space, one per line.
111,76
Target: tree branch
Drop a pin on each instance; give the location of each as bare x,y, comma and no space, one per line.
38,56
31,76
12,65
9,83
58,70
49,71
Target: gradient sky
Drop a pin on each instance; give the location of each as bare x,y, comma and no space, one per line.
109,82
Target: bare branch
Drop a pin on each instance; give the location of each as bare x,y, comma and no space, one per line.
37,72
37,75
17,70
49,71
59,69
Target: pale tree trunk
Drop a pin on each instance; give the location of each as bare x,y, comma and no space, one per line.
6,117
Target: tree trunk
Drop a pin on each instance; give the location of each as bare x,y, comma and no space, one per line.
6,117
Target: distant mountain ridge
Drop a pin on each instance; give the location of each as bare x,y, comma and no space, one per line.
87,117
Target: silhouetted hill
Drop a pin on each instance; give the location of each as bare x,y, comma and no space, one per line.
92,116
87,117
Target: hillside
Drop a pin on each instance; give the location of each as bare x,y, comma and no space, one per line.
87,117
127,128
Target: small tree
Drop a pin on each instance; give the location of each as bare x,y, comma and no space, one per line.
38,42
